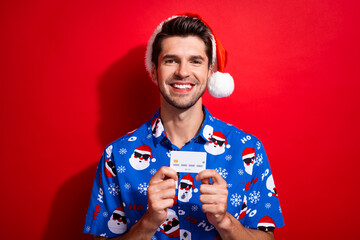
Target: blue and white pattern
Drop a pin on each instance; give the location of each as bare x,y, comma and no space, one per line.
119,194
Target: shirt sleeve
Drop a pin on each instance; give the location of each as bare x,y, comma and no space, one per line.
263,204
105,216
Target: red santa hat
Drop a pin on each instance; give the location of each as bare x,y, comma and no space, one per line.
220,84
220,136
189,180
146,149
248,152
119,210
266,222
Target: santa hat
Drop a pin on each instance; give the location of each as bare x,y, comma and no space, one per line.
222,137
189,180
220,84
146,149
248,152
266,222
119,210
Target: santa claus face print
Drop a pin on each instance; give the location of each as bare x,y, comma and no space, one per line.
270,185
266,224
249,157
140,160
156,127
216,146
110,170
117,223
182,71
171,225
185,192
141,157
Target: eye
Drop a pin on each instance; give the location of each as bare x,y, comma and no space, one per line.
197,62
169,61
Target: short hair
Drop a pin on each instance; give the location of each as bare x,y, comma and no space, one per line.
182,26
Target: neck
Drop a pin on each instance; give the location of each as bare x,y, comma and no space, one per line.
181,125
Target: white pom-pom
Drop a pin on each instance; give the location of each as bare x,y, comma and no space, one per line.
220,85
228,146
153,159
196,190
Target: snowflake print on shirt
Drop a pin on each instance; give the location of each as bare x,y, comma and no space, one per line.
258,145
122,151
121,169
254,197
153,171
259,160
127,186
114,189
223,173
143,188
235,200
194,208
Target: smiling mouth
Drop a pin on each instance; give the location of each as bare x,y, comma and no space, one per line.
182,86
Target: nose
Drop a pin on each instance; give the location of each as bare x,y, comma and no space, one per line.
182,70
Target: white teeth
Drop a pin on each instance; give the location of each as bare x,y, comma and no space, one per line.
182,86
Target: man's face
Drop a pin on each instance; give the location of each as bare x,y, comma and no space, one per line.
182,71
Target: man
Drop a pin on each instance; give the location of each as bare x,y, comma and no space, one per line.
146,199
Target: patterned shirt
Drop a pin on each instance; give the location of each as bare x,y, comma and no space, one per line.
119,194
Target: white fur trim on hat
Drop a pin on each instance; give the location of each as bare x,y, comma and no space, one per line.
220,85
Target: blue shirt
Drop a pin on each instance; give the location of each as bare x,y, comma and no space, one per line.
119,194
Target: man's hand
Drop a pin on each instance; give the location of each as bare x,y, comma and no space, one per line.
161,193
213,196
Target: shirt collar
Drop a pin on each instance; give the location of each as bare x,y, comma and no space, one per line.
158,131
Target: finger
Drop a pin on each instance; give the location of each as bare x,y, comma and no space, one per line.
213,189
212,199
159,195
210,173
161,204
163,172
158,188
214,208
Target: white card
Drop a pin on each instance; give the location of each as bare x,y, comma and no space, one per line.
186,161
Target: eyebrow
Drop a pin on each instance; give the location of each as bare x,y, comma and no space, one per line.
167,56
197,57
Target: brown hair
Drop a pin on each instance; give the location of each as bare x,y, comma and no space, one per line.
182,26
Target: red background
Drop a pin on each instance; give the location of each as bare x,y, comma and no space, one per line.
73,79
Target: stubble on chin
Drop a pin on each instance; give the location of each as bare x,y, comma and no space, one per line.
182,105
